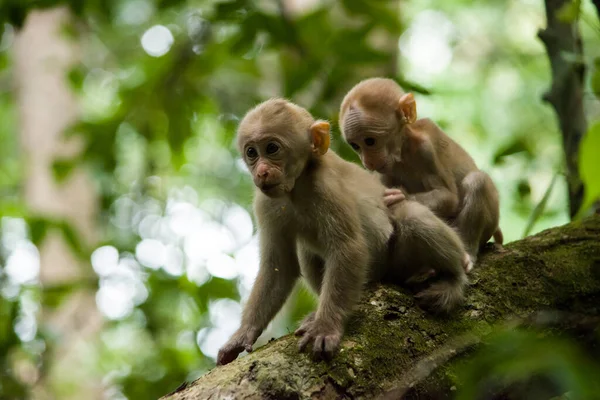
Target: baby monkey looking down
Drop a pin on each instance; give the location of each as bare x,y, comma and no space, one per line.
419,161
324,218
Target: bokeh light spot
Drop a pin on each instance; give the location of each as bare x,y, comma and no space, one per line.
157,41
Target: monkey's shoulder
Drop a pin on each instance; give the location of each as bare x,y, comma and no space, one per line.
361,188
441,142
353,180
344,187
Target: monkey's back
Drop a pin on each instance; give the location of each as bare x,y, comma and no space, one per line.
450,152
365,189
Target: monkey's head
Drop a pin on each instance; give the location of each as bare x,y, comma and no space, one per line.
372,117
277,139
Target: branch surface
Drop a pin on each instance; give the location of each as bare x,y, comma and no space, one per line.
390,342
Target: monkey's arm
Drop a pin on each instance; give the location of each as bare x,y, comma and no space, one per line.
441,200
441,193
343,280
277,275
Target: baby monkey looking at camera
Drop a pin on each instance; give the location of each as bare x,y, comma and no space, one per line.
324,218
419,161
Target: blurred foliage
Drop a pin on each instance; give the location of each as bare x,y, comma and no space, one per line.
589,166
526,364
162,84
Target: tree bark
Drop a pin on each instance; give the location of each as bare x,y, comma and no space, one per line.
565,52
392,343
42,57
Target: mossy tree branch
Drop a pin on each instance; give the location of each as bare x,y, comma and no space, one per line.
390,342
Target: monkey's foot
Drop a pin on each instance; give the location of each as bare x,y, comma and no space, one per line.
468,263
499,248
325,340
493,246
392,196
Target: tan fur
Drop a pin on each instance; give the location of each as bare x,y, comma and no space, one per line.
324,218
421,160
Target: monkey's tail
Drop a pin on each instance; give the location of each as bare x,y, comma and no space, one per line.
446,294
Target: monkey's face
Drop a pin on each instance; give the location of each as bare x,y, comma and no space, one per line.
266,167
274,169
275,144
372,153
374,141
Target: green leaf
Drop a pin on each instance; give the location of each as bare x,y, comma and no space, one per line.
54,295
76,76
523,189
62,168
517,145
231,10
73,239
8,313
569,12
38,228
381,13
411,86
589,167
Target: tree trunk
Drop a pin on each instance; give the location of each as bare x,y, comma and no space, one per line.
565,52
392,343
47,107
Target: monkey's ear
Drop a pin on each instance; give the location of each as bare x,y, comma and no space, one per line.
407,107
319,132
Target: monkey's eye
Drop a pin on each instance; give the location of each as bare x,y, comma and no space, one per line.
369,141
251,152
354,146
272,148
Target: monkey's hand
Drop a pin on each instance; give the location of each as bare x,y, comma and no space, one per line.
325,339
467,263
393,196
242,339
422,277
306,323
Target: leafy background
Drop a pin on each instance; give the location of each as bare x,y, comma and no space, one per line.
161,85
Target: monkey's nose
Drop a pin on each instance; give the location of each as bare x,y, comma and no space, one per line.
262,172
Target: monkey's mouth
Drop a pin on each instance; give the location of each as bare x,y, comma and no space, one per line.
268,188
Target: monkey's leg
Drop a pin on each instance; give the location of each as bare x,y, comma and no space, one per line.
311,267
276,278
424,243
478,218
345,273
